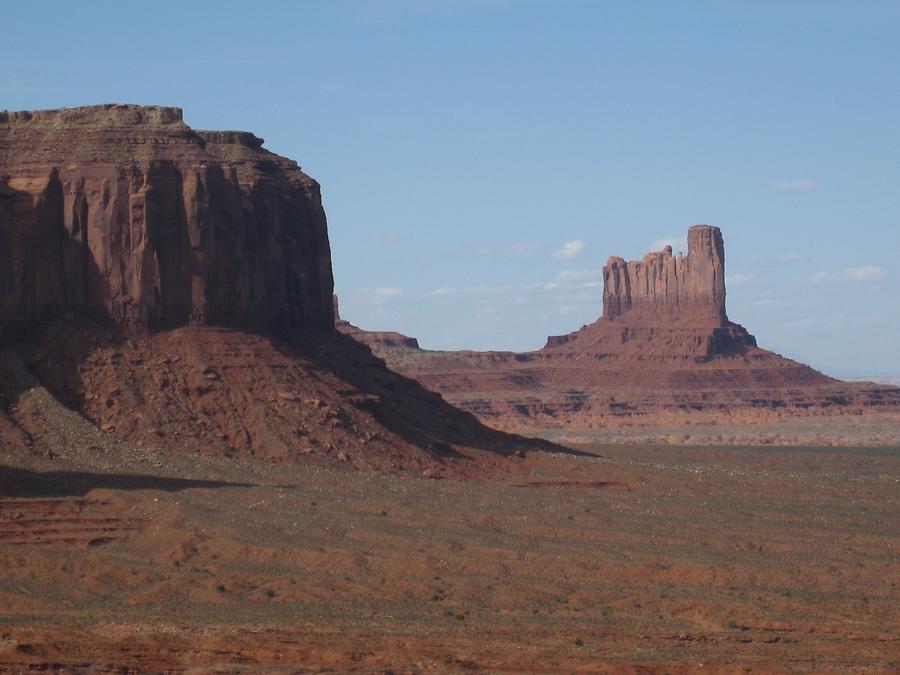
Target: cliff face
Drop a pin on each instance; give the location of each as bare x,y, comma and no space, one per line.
125,212
670,285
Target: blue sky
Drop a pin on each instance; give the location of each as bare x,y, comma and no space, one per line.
480,160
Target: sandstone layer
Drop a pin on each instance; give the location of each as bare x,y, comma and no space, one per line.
664,354
174,287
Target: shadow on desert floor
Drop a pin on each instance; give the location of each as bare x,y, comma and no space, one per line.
17,482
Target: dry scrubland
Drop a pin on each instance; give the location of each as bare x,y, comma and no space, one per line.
626,559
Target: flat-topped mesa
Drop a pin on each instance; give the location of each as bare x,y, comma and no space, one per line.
671,287
125,212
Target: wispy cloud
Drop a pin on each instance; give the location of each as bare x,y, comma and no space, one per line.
380,295
738,279
788,257
867,273
443,290
571,249
578,275
677,243
525,248
856,274
795,185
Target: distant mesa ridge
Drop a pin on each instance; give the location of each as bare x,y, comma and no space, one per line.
370,337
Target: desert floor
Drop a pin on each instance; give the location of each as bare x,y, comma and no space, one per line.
625,559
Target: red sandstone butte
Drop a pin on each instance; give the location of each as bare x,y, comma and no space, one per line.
663,352
174,287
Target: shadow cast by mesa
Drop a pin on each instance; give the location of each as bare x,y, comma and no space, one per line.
18,482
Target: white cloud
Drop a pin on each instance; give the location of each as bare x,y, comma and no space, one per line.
856,274
525,248
867,273
571,249
678,244
388,292
444,290
738,279
576,275
380,295
788,257
795,185
801,324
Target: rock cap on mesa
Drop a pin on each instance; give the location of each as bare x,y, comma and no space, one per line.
106,114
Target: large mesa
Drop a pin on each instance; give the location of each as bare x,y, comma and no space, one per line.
174,287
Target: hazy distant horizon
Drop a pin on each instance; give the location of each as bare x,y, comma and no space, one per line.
480,160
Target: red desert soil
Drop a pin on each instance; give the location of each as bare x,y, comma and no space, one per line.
651,559
663,364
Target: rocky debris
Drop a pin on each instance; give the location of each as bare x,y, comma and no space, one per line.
664,352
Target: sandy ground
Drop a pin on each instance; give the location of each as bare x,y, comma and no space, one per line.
635,559
869,430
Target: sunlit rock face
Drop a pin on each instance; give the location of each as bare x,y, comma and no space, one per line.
125,212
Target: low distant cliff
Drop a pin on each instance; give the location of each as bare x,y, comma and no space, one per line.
372,338
125,212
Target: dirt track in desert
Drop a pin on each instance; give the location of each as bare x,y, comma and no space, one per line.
624,560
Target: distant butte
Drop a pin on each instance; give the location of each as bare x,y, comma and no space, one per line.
663,353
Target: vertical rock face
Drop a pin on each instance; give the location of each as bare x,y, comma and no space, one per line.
125,212
671,286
